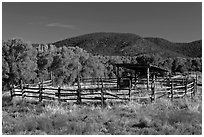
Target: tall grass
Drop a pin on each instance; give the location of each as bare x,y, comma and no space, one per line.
182,116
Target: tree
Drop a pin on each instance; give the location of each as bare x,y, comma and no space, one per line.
45,60
167,64
63,66
71,62
145,59
5,74
92,67
179,65
196,64
19,61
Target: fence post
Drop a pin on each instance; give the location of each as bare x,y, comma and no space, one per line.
148,79
59,96
153,88
135,83
172,92
78,91
196,81
130,85
186,85
11,91
40,91
22,89
118,83
135,80
117,76
98,82
102,95
51,77
194,88
183,81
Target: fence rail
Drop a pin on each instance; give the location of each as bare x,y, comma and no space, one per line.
102,89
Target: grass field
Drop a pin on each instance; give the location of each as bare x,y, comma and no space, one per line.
181,117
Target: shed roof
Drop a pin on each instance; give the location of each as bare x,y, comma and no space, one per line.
139,67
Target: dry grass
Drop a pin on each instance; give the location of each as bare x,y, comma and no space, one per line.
163,117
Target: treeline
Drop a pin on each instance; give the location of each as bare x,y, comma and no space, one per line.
21,61
173,65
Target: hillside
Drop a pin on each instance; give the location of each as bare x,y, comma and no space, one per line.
191,49
127,44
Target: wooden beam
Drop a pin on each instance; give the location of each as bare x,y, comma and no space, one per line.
78,91
194,87
186,85
102,95
59,95
22,89
172,92
130,86
148,79
153,88
135,79
117,76
196,81
40,91
11,91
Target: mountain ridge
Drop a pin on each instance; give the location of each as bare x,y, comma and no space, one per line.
128,44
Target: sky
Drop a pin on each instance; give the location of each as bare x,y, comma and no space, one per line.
53,21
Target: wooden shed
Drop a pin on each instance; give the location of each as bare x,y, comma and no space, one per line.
147,69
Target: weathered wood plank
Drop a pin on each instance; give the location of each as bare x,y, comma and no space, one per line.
46,93
66,94
33,92
50,98
95,98
31,96
87,94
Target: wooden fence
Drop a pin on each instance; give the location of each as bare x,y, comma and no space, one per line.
102,89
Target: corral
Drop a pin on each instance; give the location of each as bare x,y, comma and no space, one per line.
157,83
